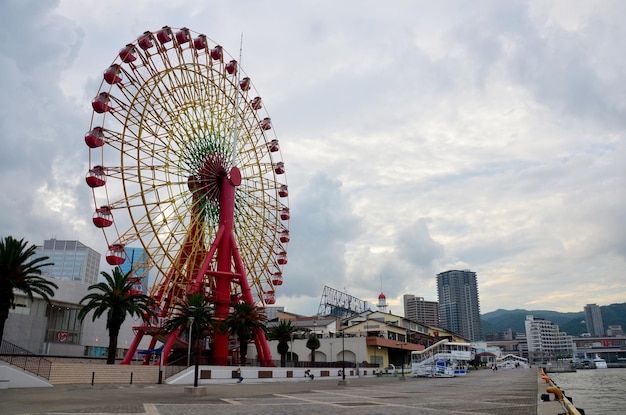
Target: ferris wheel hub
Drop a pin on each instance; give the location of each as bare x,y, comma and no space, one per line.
235,176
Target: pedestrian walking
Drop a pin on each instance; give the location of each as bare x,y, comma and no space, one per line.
239,377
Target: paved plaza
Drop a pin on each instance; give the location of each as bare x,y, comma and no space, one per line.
505,392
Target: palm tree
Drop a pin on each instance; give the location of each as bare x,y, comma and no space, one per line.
313,343
19,271
192,315
117,298
283,332
244,321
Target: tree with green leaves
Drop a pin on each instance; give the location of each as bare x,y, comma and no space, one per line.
117,298
283,332
313,343
243,322
20,271
193,315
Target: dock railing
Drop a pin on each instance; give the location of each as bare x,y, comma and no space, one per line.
559,395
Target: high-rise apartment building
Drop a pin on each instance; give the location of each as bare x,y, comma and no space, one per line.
459,307
422,311
73,261
545,341
593,319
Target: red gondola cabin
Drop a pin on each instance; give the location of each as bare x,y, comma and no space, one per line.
277,278
100,103
146,41
116,255
95,138
103,217
269,297
112,74
128,53
96,177
164,35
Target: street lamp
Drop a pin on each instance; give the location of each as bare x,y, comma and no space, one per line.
192,309
343,354
191,319
292,361
197,367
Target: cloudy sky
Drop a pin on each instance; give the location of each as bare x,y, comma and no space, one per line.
418,136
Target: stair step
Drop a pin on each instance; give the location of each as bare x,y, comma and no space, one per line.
85,373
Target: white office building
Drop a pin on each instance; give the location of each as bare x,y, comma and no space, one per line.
73,261
545,341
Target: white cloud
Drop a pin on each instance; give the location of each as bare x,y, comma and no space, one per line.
417,137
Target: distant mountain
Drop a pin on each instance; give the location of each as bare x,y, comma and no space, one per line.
572,323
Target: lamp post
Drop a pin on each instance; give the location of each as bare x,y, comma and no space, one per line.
192,309
343,355
292,361
197,367
191,319
161,367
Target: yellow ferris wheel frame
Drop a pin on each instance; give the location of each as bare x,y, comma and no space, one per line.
167,101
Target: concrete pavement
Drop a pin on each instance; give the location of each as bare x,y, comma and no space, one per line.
505,392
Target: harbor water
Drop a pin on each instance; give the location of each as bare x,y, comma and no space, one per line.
597,391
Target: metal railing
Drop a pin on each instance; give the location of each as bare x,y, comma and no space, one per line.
22,358
175,366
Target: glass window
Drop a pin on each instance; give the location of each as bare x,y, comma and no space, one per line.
63,325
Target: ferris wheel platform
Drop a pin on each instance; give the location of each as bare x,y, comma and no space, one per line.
160,335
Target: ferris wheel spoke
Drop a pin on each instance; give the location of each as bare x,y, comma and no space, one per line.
131,174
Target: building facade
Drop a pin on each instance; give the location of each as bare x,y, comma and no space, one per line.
420,310
54,329
73,261
373,338
545,341
593,320
459,305
614,330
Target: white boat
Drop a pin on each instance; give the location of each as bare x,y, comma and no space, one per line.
511,361
599,362
442,359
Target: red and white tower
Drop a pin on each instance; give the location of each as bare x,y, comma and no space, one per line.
382,303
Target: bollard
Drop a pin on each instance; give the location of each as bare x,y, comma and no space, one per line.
93,376
131,378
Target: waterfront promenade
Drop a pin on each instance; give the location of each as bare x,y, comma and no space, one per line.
505,392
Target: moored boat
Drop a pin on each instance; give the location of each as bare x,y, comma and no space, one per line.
599,362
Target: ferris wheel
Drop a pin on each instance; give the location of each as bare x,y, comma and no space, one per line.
177,129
